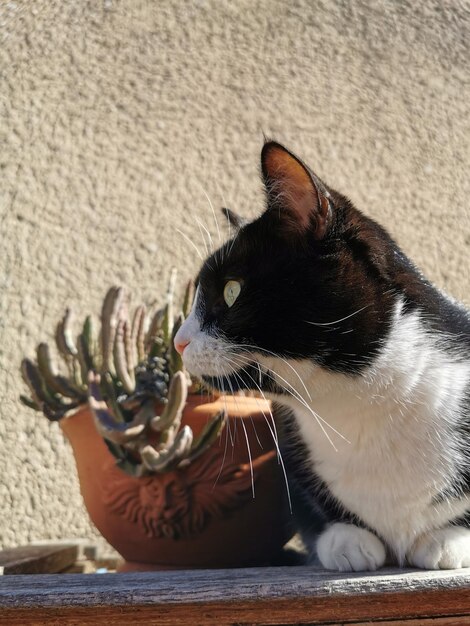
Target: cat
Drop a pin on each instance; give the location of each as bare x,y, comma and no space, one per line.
314,305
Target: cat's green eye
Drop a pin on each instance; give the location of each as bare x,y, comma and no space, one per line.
231,292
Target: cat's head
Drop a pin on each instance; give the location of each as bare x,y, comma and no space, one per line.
307,280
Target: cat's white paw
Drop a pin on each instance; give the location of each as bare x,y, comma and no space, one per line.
348,548
446,548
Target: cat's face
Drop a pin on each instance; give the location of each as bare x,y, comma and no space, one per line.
306,281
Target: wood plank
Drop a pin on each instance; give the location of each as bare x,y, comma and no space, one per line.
283,595
430,621
38,559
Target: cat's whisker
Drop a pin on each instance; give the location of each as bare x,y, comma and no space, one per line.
346,317
233,364
235,423
220,250
191,243
247,442
258,349
272,430
233,242
256,434
320,421
227,428
215,218
249,455
294,393
206,247
220,381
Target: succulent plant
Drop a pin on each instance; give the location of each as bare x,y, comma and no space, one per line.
132,378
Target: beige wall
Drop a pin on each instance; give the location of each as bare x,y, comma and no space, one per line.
117,116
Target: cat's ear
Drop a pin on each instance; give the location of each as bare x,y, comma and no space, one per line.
297,198
234,219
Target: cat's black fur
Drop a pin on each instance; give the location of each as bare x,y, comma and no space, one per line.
356,265
325,290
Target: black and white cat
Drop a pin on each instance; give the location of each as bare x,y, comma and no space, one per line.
314,304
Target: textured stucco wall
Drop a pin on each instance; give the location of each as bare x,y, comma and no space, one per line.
116,118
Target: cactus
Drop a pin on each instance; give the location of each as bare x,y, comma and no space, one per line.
132,379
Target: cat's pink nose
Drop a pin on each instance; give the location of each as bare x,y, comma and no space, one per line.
181,345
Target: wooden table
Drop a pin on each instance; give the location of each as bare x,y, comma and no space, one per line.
269,595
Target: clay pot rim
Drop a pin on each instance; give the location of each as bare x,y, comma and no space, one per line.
204,400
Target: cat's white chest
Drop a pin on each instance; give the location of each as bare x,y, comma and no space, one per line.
385,443
387,479
388,474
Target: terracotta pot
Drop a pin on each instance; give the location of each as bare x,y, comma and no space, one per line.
204,515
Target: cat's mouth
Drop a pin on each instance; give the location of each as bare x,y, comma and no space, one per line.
250,377
230,383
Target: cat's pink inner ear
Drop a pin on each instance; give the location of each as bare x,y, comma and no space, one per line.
291,188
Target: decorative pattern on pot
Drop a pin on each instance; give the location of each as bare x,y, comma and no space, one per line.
179,504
